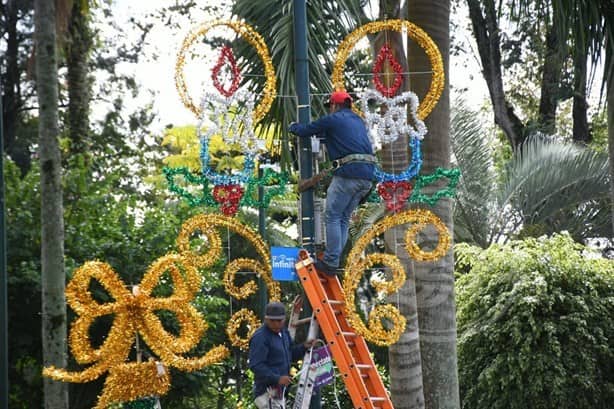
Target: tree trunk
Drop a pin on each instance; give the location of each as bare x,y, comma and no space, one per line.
404,357
52,237
553,64
78,47
12,101
609,75
486,32
581,132
435,280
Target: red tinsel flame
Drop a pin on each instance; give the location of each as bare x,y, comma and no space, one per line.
395,194
226,58
385,54
228,196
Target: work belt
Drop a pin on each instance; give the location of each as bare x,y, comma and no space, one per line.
355,157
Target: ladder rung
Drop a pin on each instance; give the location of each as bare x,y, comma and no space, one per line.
302,321
335,302
377,399
348,334
364,366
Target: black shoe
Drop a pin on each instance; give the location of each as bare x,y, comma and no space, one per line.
325,268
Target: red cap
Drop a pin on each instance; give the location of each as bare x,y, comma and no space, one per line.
339,97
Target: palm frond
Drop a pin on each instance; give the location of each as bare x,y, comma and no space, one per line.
474,157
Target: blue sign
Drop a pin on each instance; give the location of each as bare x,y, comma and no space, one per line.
284,259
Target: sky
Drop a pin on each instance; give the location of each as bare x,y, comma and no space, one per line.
158,76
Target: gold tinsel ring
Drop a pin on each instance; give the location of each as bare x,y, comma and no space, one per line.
254,39
230,272
443,243
415,33
241,316
208,224
398,272
188,229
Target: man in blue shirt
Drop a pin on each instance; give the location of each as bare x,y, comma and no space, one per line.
271,352
349,147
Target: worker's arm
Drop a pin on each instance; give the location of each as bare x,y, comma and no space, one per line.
316,127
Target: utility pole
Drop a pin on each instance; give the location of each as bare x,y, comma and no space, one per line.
301,65
4,336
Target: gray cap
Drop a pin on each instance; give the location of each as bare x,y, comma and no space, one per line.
275,311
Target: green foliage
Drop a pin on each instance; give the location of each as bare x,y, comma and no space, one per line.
535,326
544,187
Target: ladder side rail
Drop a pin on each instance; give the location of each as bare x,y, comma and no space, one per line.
362,355
332,331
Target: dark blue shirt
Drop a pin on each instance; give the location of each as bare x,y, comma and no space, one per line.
344,133
270,357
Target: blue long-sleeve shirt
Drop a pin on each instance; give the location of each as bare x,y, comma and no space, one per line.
344,133
270,357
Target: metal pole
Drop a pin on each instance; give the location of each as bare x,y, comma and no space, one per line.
4,334
304,115
301,66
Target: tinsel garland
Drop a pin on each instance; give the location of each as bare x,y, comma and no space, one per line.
393,122
238,318
208,225
412,169
205,199
235,128
394,194
130,381
385,53
415,33
453,176
226,57
134,313
254,39
277,181
357,264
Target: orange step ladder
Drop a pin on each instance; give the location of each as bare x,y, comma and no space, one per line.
349,349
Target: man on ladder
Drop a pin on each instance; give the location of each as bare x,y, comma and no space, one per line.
271,352
346,138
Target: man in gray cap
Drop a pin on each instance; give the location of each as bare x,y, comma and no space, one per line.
271,352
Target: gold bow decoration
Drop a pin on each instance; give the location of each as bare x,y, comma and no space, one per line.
208,225
135,313
357,264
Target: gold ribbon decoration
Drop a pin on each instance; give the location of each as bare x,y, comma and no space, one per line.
209,251
356,265
135,313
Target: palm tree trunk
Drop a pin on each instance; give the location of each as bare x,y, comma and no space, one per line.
435,280
52,237
404,357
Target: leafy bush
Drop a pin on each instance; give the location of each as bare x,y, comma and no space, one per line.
535,326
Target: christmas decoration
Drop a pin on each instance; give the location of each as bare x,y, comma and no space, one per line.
415,33
249,35
357,264
135,313
385,54
226,57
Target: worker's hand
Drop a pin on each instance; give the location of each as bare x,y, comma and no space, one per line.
284,380
292,126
